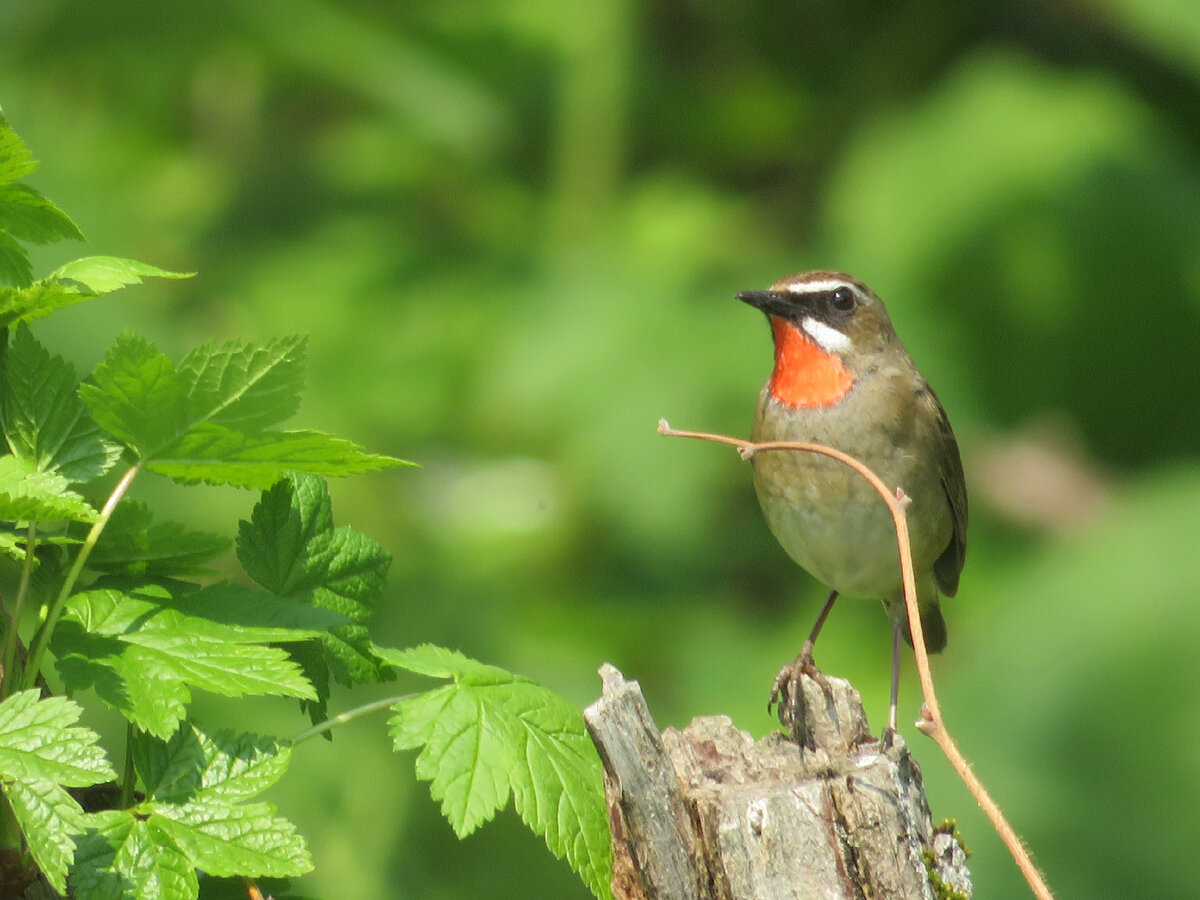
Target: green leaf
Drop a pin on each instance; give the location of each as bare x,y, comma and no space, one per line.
41,751
16,160
195,784
27,495
291,548
125,855
218,455
239,766
38,739
273,546
13,545
141,655
238,606
14,268
196,765
137,395
203,420
28,216
83,279
45,422
243,387
49,818
491,733
171,770
92,276
224,840
133,543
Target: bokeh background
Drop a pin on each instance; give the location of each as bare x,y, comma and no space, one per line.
513,230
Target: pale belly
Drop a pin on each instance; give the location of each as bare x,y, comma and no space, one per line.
837,527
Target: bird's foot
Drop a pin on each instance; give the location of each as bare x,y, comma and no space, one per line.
785,690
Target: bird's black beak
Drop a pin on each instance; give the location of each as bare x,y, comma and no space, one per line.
773,303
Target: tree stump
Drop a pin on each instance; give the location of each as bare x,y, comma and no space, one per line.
707,813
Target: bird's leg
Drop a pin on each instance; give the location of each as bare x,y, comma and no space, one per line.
803,662
895,696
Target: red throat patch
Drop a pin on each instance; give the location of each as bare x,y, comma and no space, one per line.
805,375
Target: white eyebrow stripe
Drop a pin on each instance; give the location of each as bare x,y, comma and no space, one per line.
828,339
817,287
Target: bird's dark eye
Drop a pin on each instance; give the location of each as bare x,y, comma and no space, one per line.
843,300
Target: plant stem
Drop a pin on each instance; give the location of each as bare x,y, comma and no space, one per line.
42,638
129,774
931,723
11,639
348,716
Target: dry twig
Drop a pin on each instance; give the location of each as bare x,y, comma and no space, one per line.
931,722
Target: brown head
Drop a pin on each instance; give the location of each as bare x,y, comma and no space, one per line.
829,329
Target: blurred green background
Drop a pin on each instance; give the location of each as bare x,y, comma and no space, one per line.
513,230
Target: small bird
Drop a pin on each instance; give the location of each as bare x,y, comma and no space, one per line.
843,379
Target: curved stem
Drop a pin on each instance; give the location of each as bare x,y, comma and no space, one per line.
348,716
931,723
42,638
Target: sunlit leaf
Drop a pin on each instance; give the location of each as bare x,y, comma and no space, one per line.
491,733
45,422
43,751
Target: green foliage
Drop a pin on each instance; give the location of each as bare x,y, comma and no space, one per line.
291,549
141,655
194,816
43,752
514,236
126,621
490,733
45,422
206,419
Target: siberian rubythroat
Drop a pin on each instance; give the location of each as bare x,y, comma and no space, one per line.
843,379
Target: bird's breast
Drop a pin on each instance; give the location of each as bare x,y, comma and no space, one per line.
828,517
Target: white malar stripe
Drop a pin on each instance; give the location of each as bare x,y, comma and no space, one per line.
818,287
828,339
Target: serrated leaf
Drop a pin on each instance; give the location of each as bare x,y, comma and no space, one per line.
45,422
95,275
13,546
27,495
238,606
34,299
247,839
134,543
125,856
41,750
273,545
312,658
170,770
137,395
14,267
290,547
195,782
16,160
203,421
141,655
28,216
240,766
225,767
215,454
440,662
242,387
38,739
492,733
49,817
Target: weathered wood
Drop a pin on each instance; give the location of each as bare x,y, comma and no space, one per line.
707,813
